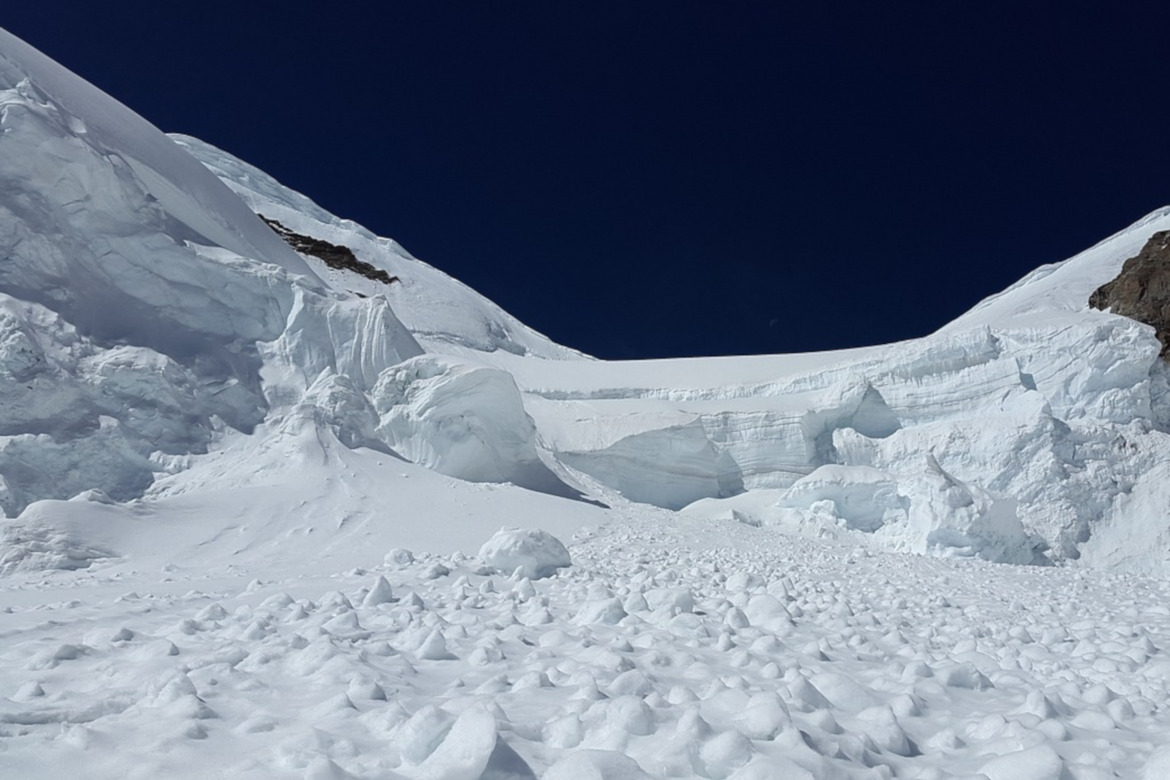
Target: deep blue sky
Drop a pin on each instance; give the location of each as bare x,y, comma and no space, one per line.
645,179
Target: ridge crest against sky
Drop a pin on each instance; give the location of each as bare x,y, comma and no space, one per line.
673,179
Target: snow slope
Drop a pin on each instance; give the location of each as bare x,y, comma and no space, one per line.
253,509
95,120
440,311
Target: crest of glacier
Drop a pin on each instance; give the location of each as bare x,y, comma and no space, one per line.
159,342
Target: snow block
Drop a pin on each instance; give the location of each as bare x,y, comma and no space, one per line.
422,733
667,467
381,593
1157,766
461,419
534,552
865,498
600,611
1038,763
464,752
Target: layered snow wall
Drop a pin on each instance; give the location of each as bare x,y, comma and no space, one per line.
1012,439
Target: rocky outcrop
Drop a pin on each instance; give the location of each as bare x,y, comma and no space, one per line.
1142,290
334,255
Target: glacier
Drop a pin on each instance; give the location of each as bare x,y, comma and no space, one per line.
148,313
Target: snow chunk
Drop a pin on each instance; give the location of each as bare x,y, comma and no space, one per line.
1157,766
724,753
600,611
434,647
536,553
669,467
422,733
381,593
461,419
465,750
1038,763
865,498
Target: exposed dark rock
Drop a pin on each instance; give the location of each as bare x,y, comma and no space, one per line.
1142,290
334,256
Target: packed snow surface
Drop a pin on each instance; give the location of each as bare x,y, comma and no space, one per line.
252,510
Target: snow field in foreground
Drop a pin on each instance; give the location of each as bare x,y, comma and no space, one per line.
670,648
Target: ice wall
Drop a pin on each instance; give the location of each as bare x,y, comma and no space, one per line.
144,309
1015,438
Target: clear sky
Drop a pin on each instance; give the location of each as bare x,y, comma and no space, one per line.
646,179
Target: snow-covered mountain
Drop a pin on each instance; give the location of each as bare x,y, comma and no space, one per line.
181,391
154,324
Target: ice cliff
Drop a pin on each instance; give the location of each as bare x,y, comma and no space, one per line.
154,329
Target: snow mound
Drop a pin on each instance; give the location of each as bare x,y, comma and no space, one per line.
36,543
533,553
